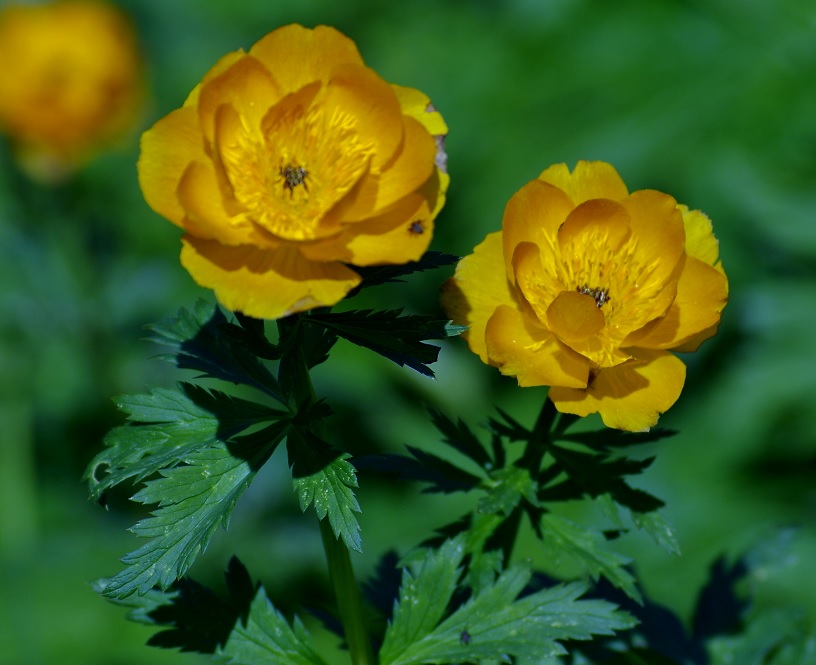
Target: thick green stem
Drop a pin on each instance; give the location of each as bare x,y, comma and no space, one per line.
347,593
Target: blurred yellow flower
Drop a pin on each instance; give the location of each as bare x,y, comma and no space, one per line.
69,82
587,288
289,162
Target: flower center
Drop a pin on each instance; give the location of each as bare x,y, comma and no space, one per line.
600,295
288,176
293,176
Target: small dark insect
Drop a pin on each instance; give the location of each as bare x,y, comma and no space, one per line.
464,638
416,228
292,177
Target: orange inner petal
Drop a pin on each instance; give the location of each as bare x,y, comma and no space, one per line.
575,317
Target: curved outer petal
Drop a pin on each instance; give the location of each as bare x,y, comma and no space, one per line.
477,288
531,353
700,240
386,238
167,149
417,105
702,293
412,166
629,396
589,180
299,55
247,86
265,284
533,214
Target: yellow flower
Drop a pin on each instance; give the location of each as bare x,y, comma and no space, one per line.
289,162
587,288
69,83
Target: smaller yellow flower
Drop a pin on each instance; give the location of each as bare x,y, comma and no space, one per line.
290,163
69,82
587,288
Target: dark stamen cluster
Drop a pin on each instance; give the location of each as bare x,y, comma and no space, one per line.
600,295
293,176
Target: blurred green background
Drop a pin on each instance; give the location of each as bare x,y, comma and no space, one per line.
712,101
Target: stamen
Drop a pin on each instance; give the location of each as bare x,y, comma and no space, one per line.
292,177
600,295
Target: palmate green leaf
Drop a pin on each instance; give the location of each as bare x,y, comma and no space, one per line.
588,547
324,477
400,338
193,499
204,340
165,426
658,530
266,638
495,623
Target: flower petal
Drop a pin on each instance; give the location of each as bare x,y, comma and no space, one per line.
166,150
589,180
630,396
265,284
574,317
702,293
534,214
412,166
477,288
418,105
247,86
299,55
358,92
521,348
700,240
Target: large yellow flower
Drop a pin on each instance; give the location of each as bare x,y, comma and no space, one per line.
289,162
587,288
70,80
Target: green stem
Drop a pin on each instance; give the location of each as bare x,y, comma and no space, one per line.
347,593
294,376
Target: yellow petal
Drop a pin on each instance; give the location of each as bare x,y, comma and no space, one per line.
167,149
700,240
521,348
247,86
265,284
418,105
411,168
574,317
297,56
594,229
702,293
589,180
400,234
200,195
477,288
657,227
630,396
373,107
534,214
224,63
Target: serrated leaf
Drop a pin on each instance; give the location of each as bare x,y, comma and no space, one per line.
588,547
207,342
440,475
374,275
764,635
166,426
658,530
400,338
508,487
426,589
460,437
495,624
266,638
195,619
325,478
193,500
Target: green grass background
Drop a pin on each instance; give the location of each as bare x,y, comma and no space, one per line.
712,101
